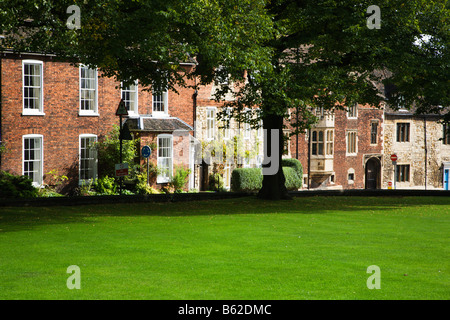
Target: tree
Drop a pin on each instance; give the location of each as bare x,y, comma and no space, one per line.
297,55
326,54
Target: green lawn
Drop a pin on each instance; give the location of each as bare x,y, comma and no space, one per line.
308,248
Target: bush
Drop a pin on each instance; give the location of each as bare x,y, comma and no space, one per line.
105,186
12,186
295,164
246,179
216,182
250,179
179,179
293,181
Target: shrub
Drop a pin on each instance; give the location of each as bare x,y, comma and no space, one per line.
250,179
246,179
12,186
105,185
142,187
293,181
179,179
216,182
295,164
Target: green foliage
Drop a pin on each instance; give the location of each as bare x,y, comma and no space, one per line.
216,182
142,187
296,165
105,185
108,149
293,181
12,186
179,179
250,179
246,179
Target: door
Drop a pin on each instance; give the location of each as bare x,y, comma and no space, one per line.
446,177
373,173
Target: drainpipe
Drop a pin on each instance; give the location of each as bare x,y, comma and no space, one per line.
1,105
297,136
309,156
425,145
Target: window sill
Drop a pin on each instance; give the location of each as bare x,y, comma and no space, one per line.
90,114
31,113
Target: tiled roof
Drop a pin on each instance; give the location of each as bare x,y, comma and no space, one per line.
151,124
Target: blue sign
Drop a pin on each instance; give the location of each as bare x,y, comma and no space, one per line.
146,151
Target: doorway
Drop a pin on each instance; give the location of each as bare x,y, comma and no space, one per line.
373,173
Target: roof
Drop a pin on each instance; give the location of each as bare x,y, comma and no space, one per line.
151,124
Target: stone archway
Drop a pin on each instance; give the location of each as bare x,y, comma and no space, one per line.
373,173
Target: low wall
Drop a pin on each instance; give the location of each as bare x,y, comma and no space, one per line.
178,197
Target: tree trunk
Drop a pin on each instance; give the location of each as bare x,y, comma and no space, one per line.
273,186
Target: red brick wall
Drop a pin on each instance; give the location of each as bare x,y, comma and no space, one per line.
62,125
341,162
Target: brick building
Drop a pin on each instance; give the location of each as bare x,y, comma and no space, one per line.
345,149
52,111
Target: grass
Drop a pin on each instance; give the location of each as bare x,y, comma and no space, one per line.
308,248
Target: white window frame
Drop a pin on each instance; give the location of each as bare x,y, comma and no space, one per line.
95,160
352,111
210,123
40,179
247,126
165,101
319,144
347,136
39,111
329,142
134,110
227,125
160,177
93,112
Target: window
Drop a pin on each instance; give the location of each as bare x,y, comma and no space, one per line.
329,142
352,111
165,156
160,101
402,173
88,157
261,130
351,177
88,91
351,142
226,125
210,123
130,97
317,143
446,133
32,80
402,132
33,158
373,132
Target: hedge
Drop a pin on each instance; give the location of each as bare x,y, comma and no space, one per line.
246,179
250,179
293,163
293,181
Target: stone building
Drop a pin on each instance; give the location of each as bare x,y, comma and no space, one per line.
223,145
422,147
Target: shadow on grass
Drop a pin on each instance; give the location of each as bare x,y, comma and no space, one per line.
25,218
